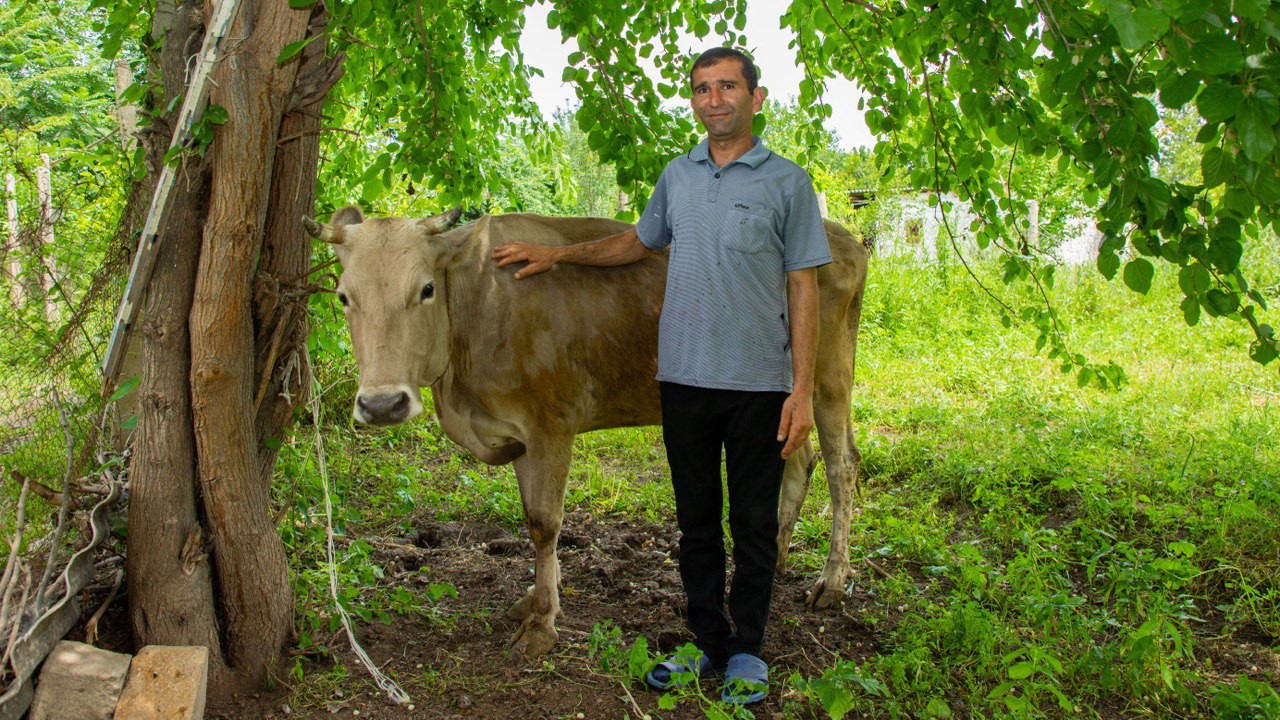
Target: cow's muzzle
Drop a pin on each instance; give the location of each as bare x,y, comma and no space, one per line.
386,406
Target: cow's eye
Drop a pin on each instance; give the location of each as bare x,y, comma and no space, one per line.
342,298
428,291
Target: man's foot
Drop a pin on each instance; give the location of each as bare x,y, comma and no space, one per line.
685,667
746,680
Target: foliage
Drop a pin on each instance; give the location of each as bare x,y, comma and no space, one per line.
955,88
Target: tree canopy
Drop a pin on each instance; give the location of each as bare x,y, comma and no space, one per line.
969,99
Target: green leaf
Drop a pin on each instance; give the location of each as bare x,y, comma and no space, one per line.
125,388
1022,670
299,4
1221,303
1217,55
292,49
1263,351
130,423
1257,136
937,708
1194,279
1219,101
1190,311
1179,89
1138,274
1108,264
1136,26
1216,166
215,114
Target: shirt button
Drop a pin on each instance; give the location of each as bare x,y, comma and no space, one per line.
717,176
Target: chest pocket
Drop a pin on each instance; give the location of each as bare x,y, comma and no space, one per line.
749,228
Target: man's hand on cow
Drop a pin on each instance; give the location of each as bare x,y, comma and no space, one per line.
537,258
797,421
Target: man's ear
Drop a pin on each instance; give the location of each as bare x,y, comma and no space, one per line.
758,95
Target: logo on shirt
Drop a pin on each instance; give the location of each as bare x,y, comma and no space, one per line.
740,206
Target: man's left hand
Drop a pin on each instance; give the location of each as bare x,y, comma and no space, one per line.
797,421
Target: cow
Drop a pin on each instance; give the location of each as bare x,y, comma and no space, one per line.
519,368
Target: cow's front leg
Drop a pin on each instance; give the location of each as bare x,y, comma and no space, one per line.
795,486
542,473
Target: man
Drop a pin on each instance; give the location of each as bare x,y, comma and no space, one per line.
736,346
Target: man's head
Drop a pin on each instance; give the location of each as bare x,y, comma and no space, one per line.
719,54
726,94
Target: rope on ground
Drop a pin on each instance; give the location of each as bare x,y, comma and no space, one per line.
389,686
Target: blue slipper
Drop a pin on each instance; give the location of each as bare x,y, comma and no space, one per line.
681,669
746,680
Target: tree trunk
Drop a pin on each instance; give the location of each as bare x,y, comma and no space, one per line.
253,574
126,113
281,287
43,263
171,596
237,354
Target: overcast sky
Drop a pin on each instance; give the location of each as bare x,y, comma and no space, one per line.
780,72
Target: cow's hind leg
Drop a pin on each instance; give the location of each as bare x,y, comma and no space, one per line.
795,486
833,389
542,474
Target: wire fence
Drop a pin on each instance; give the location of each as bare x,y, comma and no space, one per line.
62,443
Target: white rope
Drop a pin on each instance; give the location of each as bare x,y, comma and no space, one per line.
389,686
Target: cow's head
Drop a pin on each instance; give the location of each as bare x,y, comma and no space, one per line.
392,292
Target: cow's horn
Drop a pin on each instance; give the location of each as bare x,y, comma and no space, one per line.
439,223
321,231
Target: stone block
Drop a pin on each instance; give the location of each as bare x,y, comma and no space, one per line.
79,682
166,683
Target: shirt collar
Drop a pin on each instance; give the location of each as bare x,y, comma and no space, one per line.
756,155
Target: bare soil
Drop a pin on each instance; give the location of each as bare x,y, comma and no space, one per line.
454,660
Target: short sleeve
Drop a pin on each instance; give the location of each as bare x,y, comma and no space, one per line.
653,229
804,235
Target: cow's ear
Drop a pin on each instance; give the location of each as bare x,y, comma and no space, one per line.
437,224
347,215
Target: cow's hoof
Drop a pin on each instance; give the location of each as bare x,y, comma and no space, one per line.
532,641
824,595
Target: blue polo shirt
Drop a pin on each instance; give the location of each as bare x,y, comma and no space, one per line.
734,233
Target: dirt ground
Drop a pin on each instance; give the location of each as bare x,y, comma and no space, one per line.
454,662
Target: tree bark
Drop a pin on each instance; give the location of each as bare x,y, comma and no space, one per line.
256,597
126,113
282,284
171,595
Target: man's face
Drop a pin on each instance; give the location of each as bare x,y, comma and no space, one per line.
722,102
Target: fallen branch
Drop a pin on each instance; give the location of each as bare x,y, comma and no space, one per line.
91,627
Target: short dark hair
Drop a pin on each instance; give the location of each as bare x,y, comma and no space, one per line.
716,54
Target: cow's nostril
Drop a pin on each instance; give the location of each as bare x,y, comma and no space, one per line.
401,405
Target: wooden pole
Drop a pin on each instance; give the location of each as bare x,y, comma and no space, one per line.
144,260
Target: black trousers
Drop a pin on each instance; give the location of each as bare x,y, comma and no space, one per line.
696,423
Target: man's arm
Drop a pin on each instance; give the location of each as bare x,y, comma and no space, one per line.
621,249
802,306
